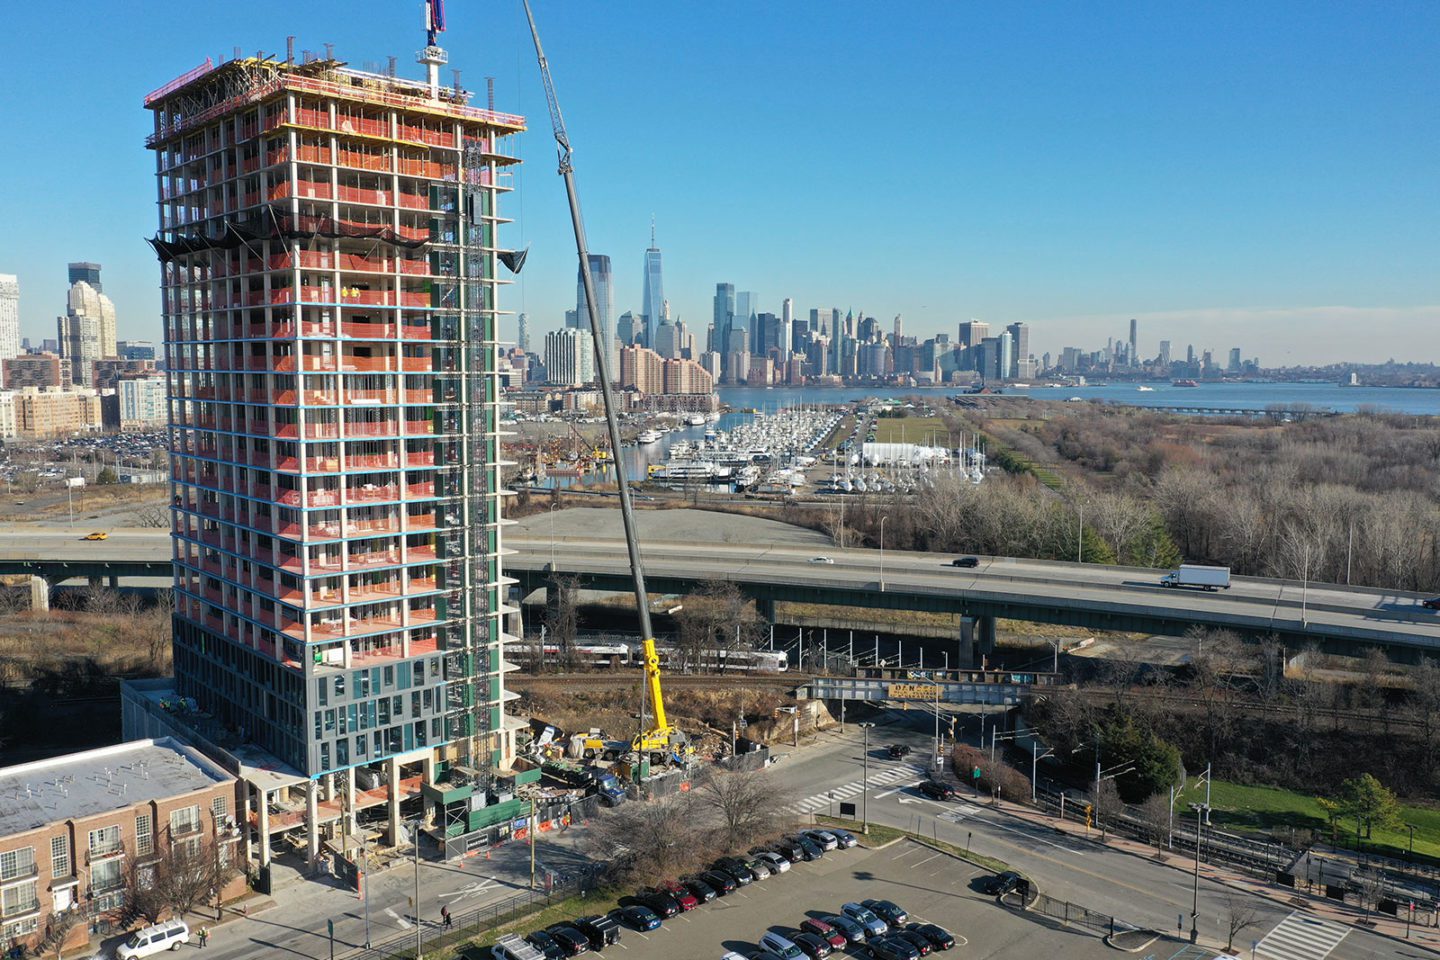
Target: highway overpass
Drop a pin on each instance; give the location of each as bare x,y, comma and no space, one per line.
1093,597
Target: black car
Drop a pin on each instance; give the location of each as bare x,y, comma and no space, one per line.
572,941
546,944
938,936
809,848
722,882
1003,883
812,946
662,905
1432,604
701,890
936,790
916,940
736,868
898,751
891,948
602,931
965,562
790,850
887,910
641,918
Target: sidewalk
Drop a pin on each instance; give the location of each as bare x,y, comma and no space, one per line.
1427,938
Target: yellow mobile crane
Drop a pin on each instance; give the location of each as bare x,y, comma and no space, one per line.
661,737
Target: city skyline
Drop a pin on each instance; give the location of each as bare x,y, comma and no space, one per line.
1188,174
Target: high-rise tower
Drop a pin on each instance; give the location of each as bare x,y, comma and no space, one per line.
9,317
654,303
328,247
86,332
600,276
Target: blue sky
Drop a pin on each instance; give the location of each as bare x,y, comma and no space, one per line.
1261,175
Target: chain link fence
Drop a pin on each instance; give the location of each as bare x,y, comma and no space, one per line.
434,935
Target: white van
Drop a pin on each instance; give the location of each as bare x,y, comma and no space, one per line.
148,941
780,946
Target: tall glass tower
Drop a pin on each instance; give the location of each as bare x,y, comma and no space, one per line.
605,300
654,290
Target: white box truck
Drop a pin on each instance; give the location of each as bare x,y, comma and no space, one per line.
1198,577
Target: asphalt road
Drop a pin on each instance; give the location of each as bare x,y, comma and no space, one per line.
1136,890
1259,604
932,887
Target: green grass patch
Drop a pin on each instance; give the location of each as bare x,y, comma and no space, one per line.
878,836
1276,810
925,430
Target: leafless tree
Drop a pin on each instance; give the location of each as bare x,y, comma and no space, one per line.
562,618
1155,813
1241,913
744,804
153,516
650,840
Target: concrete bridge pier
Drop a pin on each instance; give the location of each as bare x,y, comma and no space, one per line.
984,644
765,610
39,593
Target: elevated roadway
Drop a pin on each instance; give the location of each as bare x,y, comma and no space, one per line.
1335,618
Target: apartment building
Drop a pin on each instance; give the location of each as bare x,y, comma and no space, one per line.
71,828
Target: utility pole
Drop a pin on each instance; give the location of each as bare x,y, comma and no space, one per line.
415,838
882,553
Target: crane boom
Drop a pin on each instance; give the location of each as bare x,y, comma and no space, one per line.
661,736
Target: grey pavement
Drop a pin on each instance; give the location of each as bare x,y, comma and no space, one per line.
1109,878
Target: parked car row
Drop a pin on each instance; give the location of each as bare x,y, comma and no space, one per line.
877,928
648,910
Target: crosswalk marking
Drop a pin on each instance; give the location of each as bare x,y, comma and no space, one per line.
1301,937
854,788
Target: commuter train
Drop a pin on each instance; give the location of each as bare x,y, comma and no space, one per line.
616,654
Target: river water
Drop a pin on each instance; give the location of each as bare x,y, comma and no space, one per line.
1248,396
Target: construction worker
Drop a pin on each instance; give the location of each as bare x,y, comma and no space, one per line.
204,937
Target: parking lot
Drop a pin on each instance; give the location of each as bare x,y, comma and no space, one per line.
933,887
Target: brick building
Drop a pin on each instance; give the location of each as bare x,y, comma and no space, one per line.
36,370
71,826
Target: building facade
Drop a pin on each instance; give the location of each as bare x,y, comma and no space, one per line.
142,403
36,370
49,412
86,332
73,826
9,317
328,241
565,352
605,303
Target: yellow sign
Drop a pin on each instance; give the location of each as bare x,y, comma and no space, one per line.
913,691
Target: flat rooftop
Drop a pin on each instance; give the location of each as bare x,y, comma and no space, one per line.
88,784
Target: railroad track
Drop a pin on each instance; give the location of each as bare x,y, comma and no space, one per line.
621,679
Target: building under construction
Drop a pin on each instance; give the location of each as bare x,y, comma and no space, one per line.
328,240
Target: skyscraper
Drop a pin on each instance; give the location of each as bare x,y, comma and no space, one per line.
724,317
654,302
87,330
746,305
604,300
899,329
1020,350
9,317
523,340
85,273
1165,353
335,483
972,332
565,352
1134,356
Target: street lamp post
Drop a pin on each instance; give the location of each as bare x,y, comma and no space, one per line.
1200,810
552,538
1035,757
865,780
1080,537
882,553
